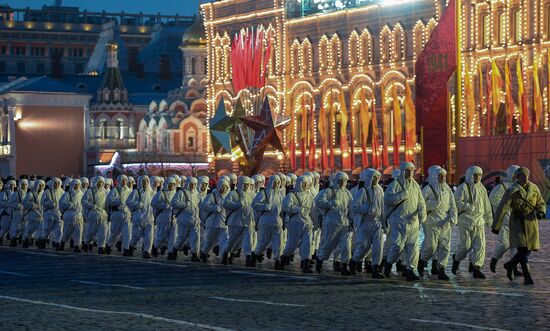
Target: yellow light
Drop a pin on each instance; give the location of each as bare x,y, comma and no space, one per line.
279,157
17,116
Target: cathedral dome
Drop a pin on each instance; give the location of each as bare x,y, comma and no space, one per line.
194,35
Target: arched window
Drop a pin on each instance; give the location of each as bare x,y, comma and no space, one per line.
193,66
119,129
385,45
190,142
103,129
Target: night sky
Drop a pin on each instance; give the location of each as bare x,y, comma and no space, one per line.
167,7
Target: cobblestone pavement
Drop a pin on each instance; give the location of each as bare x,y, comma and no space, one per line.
47,290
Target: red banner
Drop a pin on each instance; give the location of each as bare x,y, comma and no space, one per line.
433,68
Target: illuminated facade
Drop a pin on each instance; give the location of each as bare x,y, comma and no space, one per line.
361,50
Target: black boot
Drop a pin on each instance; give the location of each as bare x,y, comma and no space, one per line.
77,249
284,261
435,268
175,253
163,250
253,259
411,275
493,265
344,270
421,265
61,247
336,266
185,250
399,266
118,246
368,267
85,247
237,253
225,258
248,262
527,279
471,267
352,267
216,250
509,269
107,249
132,249
376,274
477,273
279,265
126,252
269,253
517,273
71,243
456,265
13,242
230,258
359,267
101,250
195,258
442,275
306,269
25,243
154,251
146,255
170,256
1,241
260,258
204,259
405,272
387,269
318,265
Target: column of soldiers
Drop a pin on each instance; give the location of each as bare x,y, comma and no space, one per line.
365,228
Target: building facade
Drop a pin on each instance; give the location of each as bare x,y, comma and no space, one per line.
336,55
60,40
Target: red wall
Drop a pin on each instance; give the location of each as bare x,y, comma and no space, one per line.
50,141
496,153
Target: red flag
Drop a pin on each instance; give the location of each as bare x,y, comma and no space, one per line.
397,127
311,139
364,118
385,133
433,68
330,135
352,126
410,125
489,94
303,132
322,127
375,155
510,109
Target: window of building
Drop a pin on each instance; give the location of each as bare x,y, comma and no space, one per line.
3,50
190,142
193,66
516,26
21,67
119,127
501,29
2,67
485,31
103,129
40,68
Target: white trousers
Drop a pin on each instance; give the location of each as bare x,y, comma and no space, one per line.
436,244
186,232
213,237
72,229
269,235
404,237
32,227
97,230
299,235
239,236
368,237
472,244
333,236
165,231
142,231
